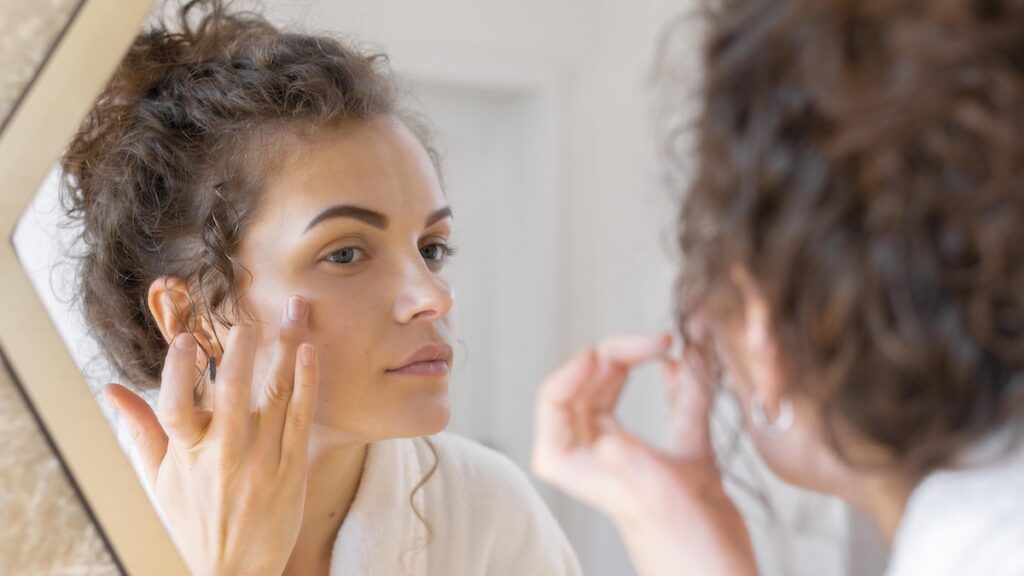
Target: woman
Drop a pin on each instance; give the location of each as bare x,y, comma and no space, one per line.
852,256
265,233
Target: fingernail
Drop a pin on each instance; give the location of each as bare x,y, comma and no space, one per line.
308,354
184,341
296,308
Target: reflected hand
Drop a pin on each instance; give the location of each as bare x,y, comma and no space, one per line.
671,508
231,481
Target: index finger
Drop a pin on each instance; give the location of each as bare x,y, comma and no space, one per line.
691,400
623,352
554,426
616,356
627,350
563,385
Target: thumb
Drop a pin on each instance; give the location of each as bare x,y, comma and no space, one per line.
148,436
691,400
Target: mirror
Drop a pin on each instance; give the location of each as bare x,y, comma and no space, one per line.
540,111
71,498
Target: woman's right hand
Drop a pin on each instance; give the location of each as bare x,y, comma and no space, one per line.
671,507
232,481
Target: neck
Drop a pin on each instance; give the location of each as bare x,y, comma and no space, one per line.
881,496
335,468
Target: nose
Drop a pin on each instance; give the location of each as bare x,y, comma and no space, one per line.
423,295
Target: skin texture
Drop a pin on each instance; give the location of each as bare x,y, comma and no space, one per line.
373,296
671,506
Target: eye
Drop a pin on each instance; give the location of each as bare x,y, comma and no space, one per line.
437,254
347,255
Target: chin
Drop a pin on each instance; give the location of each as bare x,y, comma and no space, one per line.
424,423
423,415
398,408
437,422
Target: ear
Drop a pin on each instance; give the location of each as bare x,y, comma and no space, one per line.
760,341
170,303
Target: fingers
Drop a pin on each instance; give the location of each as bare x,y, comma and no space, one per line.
301,408
233,391
616,356
176,409
570,382
573,398
281,379
620,451
148,437
563,385
279,389
691,400
553,426
628,350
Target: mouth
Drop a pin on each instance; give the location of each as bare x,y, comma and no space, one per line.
432,360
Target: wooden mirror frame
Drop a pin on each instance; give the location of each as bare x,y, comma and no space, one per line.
39,126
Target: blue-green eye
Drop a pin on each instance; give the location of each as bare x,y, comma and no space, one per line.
347,255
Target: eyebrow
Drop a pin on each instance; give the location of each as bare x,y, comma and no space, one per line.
438,215
373,218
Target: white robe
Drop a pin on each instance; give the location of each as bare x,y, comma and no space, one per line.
966,521
484,517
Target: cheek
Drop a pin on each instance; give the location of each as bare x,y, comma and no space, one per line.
349,323
346,331
740,386
447,326
790,454
736,369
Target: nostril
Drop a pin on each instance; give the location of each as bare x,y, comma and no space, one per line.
427,315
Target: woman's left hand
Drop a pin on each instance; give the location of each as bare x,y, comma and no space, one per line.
671,508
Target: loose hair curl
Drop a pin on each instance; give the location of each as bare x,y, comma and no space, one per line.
864,161
166,170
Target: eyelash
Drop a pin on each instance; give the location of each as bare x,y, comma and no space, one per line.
446,253
345,249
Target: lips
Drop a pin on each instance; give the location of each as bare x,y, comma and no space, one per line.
430,360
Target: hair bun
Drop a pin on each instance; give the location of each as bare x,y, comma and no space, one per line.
169,162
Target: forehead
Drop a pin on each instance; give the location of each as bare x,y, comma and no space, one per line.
377,164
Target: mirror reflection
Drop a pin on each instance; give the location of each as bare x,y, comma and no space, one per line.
373,229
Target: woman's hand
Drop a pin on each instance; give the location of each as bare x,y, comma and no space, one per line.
671,508
231,482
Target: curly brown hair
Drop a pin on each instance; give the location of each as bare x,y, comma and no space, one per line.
864,161
166,171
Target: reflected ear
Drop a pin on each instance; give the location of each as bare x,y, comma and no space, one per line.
170,304
760,341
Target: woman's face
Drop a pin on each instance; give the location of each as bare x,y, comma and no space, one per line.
356,222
